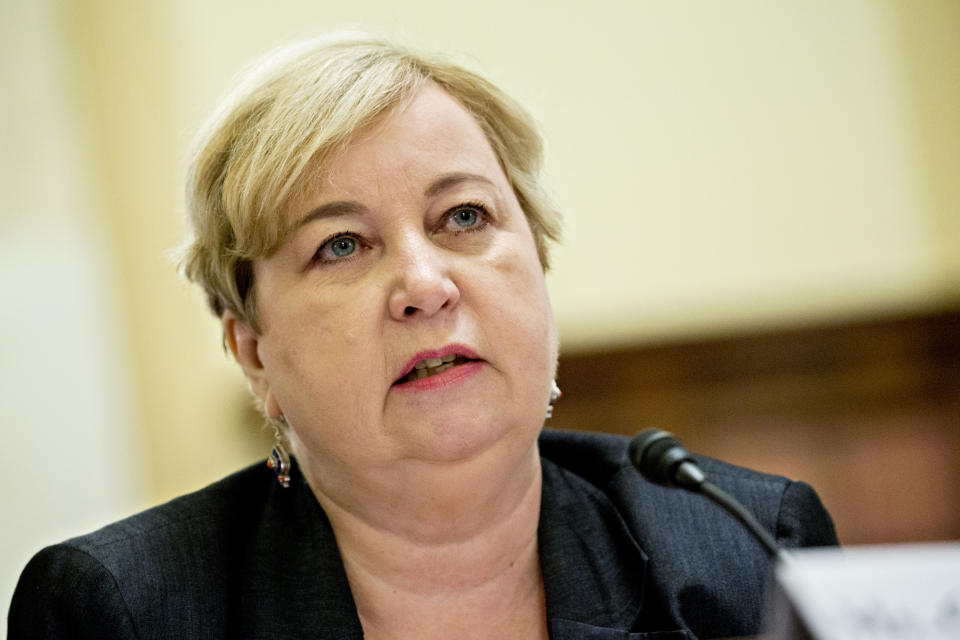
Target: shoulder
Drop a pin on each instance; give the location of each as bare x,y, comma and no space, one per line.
601,460
702,568
55,592
191,521
172,559
600,456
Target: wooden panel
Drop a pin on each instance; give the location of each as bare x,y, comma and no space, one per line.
867,412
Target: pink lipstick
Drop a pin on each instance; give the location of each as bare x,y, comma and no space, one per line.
438,368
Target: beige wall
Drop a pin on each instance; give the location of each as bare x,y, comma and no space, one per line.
721,165
70,441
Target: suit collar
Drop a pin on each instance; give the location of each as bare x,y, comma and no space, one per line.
295,585
593,569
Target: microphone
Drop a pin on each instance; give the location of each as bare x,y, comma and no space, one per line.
661,459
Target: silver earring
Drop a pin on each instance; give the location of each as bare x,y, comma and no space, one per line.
279,460
555,394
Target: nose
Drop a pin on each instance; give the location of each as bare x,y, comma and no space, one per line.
423,285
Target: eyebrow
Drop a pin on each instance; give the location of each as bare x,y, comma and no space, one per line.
448,180
331,210
347,207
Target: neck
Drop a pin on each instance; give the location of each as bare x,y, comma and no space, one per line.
444,550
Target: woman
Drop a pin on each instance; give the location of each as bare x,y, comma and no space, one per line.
370,230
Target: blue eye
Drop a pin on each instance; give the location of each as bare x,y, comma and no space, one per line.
465,218
343,246
337,248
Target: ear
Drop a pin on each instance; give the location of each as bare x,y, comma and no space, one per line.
244,344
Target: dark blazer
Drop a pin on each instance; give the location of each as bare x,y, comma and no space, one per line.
244,558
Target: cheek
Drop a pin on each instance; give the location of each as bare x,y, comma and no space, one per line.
321,322
522,308
319,347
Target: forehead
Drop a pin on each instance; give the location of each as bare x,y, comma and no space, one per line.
428,135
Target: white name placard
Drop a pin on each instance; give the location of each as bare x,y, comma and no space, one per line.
867,593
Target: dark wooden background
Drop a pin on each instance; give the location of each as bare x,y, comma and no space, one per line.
868,412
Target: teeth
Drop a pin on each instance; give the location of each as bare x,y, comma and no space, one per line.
433,366
434,362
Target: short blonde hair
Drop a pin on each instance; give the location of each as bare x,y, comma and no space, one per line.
290,114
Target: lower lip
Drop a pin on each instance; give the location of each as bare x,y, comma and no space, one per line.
449,378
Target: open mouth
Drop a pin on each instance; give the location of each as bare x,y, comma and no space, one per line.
433,366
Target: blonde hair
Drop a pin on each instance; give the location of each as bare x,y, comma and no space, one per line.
290,114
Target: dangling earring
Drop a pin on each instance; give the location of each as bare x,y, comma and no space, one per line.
555,394
279,460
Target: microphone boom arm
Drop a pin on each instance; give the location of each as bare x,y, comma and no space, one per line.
732,506
661,459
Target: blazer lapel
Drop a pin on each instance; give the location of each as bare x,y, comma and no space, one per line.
570,630
294,585
594,571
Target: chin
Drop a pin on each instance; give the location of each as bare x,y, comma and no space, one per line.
451,442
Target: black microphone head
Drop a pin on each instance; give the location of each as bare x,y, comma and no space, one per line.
657,454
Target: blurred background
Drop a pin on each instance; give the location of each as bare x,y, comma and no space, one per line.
761,254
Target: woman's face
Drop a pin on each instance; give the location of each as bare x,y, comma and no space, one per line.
411,248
